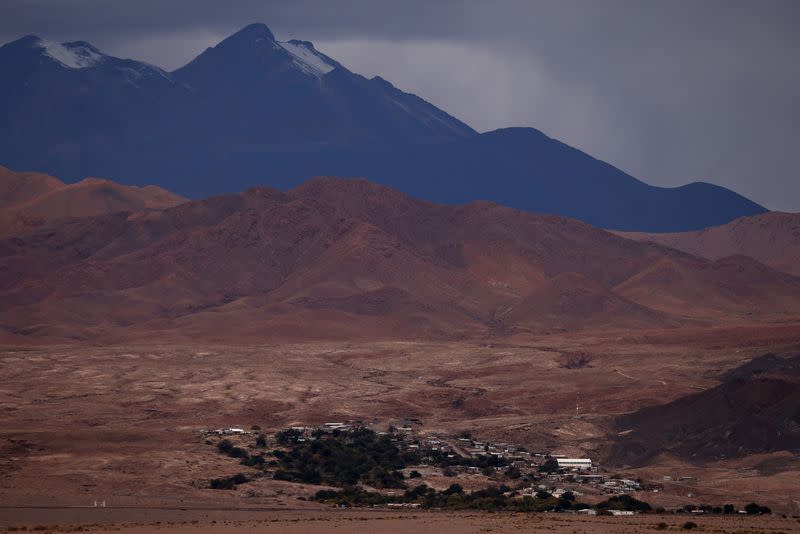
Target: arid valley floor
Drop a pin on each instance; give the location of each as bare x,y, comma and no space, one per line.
257,291
121,424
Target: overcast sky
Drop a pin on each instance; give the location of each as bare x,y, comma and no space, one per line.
669,91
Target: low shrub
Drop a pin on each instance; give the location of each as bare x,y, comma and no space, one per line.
228,483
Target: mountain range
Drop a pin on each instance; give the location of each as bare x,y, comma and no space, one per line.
336,258
771,238
254,110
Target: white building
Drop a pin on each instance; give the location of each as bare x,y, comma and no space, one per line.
574,463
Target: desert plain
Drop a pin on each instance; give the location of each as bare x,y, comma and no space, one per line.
121,424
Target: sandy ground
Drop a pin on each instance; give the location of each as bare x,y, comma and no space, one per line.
376,521
121,423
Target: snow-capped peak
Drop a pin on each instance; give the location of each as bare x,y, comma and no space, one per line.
307,58
71,55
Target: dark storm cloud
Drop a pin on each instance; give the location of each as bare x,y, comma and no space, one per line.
669,91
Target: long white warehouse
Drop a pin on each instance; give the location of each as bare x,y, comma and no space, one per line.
574,463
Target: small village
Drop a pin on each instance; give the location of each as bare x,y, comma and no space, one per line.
504,474
520,472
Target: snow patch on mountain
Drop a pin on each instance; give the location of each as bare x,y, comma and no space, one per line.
137,70
307,59
77,56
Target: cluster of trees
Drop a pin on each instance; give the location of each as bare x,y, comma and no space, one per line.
623,502
495,498
341,459
455,498
287,437
251,460
227,448
337,459
752,509
756,509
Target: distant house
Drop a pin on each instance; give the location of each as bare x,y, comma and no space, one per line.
403,505
330,427
574,463
228,431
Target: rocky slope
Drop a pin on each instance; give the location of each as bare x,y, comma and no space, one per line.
339,258
754,410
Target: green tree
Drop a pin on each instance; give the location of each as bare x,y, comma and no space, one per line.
549,466
624,502
754,509
453,489
513,473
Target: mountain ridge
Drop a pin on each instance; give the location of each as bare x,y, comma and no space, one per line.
772,238
29,201
253,110
351,258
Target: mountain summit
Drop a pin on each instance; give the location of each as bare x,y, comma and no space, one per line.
250,54
33,50
254,110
